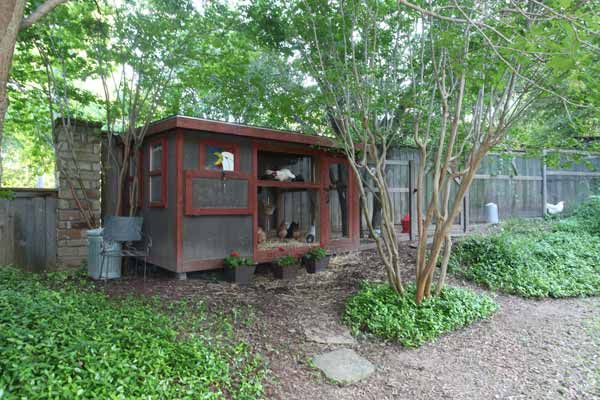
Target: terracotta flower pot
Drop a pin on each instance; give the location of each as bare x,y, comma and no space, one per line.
241,275
313,266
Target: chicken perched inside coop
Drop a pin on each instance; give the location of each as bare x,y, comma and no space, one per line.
286,167
287,217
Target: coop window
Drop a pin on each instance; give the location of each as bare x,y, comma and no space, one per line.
286,167
218,156
157,190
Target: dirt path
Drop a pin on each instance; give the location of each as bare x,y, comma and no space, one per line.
528,350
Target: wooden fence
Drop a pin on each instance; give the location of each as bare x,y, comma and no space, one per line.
28,229
522,186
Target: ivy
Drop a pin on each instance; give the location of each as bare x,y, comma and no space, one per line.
66,343
379,310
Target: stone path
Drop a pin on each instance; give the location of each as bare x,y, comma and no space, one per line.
344,366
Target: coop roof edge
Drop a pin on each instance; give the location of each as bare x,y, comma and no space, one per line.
228,128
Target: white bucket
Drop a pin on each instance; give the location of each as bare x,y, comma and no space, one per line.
491,213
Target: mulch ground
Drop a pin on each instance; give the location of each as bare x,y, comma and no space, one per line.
528,350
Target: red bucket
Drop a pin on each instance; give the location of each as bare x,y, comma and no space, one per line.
406,224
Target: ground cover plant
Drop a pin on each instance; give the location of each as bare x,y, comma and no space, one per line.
60,341
378,310
553,258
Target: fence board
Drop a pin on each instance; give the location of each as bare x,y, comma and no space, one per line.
28,229
519,185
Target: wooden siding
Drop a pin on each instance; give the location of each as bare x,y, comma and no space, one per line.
28,229
215,236
212,237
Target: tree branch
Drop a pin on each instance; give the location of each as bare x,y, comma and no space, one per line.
40,12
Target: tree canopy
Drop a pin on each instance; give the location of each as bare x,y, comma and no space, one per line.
256,63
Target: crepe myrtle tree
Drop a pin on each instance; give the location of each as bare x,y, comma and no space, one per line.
450,79
138,56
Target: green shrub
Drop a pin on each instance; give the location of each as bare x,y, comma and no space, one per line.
234,260
67,343
556,260
316,253
586,217
287,261
378,310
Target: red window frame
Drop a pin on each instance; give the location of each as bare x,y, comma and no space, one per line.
162,172
203,172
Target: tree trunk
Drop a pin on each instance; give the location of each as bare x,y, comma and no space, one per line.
11,15
376,218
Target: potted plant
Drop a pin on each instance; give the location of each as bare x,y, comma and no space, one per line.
239,269
316,260
286,268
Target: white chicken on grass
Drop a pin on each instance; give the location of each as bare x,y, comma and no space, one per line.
554,209
282,175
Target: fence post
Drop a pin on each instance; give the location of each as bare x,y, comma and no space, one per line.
544,183
412,199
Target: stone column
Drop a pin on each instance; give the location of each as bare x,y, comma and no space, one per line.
78,166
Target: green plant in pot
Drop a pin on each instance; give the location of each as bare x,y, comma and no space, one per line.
239,269
316,260
286,267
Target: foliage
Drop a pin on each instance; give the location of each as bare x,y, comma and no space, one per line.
287,261
534,259
378,310
586,217
234,260
63,342
50,63
316,253
451,78
7,194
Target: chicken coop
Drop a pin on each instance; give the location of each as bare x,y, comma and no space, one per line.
209,188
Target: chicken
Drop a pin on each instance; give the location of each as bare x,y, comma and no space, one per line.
282,175
282,231
261,236
297,234
291,229
554,209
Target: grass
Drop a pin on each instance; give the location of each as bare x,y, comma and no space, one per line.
537,259
378,310
61,341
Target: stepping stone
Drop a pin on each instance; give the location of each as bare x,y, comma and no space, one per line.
340,335
344,366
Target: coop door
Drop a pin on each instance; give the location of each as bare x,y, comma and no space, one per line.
338,199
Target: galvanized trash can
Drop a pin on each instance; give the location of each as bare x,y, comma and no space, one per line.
112,265
491,213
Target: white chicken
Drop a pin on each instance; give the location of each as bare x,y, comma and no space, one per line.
282,175
554,209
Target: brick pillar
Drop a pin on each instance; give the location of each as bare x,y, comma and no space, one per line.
78,166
